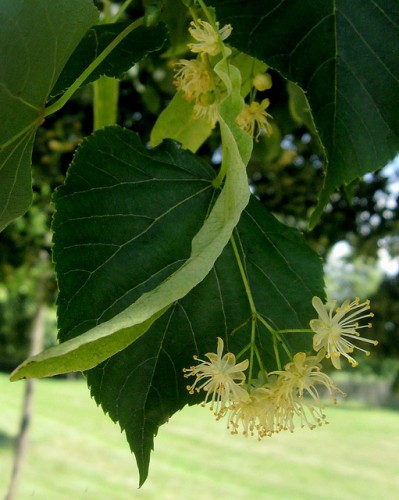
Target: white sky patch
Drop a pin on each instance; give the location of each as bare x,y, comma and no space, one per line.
339,250
389,265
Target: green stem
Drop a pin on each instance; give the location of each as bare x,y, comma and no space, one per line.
240,326
256,316
287,351
252,306
259,360
295,330
121,11
207,13
244,277
275,335
89,70
193,12
265,323
243,351
276,353
251,355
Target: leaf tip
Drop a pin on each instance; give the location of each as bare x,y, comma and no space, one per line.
16,375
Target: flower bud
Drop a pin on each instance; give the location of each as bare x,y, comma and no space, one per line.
262,81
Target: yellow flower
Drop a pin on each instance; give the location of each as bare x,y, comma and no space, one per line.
219,377
309,412
334,332
207,107
277,405
253,116
301,377
254,414
244,413
207,36
192,78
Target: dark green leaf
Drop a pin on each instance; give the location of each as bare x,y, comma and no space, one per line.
15,177
112,162
136,45
125,221
36,40
142,386
344,55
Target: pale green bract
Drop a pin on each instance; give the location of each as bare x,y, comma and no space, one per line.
108,338
177,122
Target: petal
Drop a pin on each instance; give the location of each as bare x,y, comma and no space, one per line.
319,340
212,357
240,394
321,309
336,361
240,367
319,326
220,348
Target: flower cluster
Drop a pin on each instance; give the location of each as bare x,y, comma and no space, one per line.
267,408
334,332
195,77
207,37
200,84
220,377
277,400
254,117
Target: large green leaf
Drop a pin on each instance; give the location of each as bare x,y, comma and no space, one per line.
117,215
135,230
36,40
142,386
136,45
344,55
124,211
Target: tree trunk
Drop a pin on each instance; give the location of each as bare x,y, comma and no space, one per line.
22,439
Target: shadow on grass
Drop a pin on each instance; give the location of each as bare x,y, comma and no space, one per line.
6,441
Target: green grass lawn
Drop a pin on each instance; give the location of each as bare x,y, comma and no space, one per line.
78,453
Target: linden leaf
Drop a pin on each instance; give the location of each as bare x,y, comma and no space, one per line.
344,56
143,386
135,230
32,59
134,47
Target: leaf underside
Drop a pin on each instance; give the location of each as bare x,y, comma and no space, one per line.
32,59
344,55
